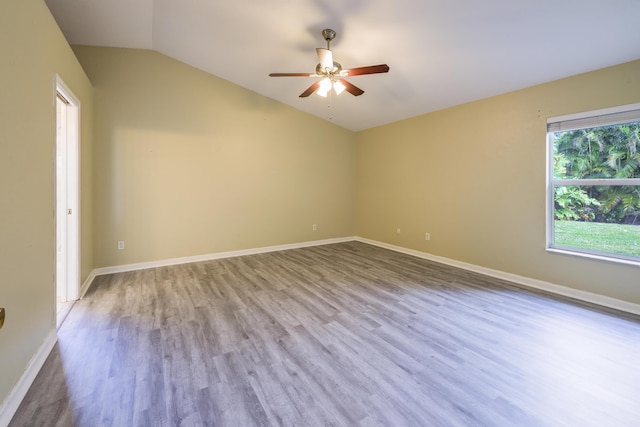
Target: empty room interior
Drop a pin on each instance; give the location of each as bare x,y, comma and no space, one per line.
242,246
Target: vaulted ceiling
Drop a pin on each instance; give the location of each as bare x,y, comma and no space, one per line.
440,53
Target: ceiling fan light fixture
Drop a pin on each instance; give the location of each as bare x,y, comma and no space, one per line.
325,87
339,87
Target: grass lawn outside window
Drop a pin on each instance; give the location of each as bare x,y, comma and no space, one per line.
617,239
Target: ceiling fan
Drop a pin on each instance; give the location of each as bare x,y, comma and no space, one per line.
331,72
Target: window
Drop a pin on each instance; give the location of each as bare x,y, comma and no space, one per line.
593,191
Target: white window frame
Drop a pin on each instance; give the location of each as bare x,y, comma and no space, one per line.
607,116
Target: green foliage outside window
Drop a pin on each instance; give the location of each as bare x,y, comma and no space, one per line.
595,153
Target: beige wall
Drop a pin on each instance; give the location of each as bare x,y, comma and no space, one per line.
189,164
32,51
474,177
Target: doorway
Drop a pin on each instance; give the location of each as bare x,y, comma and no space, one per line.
67,199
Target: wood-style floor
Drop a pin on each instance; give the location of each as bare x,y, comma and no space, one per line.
347,335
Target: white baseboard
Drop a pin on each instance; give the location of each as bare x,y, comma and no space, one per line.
87,283
589,297
13,400
212,256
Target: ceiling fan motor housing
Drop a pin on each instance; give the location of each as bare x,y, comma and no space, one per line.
337,68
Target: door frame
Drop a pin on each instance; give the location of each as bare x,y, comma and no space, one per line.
70,290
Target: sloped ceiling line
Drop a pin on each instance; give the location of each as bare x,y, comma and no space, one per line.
440,53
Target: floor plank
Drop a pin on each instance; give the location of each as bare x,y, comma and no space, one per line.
346,334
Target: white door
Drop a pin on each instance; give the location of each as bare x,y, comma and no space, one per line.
67,195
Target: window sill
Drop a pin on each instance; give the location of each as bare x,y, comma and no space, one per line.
598,257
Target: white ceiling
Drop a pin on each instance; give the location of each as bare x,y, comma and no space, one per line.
440,52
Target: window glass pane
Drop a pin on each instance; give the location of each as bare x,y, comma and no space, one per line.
598,219
599,152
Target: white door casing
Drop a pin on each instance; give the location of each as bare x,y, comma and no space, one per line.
67,193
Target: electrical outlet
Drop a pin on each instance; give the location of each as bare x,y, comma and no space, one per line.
120,245
314,227
427,236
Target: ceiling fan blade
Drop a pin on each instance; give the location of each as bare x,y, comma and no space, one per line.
291,74
310,90
325,56
372,69
351,88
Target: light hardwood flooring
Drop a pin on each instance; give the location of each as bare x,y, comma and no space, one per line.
347,335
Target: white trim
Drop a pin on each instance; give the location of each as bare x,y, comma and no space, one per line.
72,291
87,283
550,202
217,255
595,255
599,181
602,300
601,112
13,400
589,297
